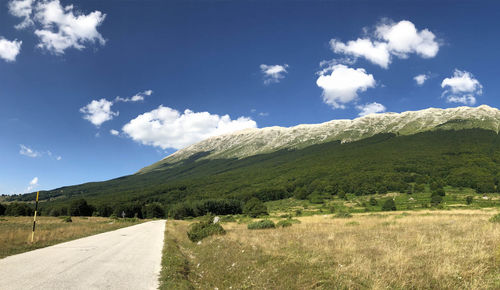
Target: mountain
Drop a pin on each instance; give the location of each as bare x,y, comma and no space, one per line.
379,153
251,142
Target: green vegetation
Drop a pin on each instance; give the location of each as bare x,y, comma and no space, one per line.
495,218
331,175
284,224
254,208
389,204
205,228
262,224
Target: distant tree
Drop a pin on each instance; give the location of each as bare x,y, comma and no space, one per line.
315,197
254,208
153,210
300,193
469,199
18,209
80,207
388,205
439,191
2,209
419,187
373,201
104,210
436,199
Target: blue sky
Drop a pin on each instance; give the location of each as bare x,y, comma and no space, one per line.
230,64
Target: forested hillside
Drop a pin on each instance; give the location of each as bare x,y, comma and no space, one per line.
379,164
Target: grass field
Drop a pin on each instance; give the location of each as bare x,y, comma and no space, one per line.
15,232
438,249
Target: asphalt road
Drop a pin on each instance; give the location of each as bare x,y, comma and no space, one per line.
128,258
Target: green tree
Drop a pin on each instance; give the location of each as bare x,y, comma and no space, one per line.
388,205
469,199
153,210
80,207
2,209
373,201
254,208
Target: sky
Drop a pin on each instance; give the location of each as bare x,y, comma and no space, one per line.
94,90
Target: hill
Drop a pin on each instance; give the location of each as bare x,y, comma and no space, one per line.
457,147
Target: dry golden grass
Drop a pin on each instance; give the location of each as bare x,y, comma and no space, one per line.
15,232
417,250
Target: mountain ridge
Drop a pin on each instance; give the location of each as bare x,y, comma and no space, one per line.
249,142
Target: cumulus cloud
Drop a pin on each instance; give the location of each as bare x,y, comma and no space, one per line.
98,112
135,98
390,39
114,132
33,184
273,73
26,151
59,158
462,87
420,79
343,84
22,9
58,27
165,127
370,108
9,49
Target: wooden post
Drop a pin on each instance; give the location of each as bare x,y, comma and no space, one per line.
34,218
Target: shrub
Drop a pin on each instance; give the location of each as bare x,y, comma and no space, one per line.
2,209
469,199
67,219
254,208
284,223
263,224
495,218
343,214
373,201
198,231
439,192
227,219
389,205
298,212
436,199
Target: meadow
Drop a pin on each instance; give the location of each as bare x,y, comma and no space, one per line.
15,232
438,249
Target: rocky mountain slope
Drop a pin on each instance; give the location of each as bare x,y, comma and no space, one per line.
251,142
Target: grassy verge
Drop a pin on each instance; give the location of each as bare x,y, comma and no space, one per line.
445,249
15,232
175,266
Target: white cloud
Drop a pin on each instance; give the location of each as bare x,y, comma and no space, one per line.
135,98
376,51
370,108
343,84
22,9
420,79
273,73
98,112
9,49
58,158
26,151
390,39
33,184
114,132
165,127
58,28
462,87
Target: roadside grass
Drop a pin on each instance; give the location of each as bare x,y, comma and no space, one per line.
438,249
15,232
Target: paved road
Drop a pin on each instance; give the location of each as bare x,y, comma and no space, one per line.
128,258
